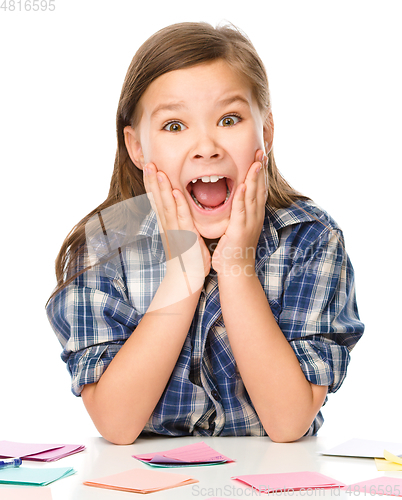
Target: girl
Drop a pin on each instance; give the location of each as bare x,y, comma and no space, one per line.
258,342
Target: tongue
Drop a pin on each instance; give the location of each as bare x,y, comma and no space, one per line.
210,194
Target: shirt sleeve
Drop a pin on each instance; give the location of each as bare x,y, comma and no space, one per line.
92,318
319,313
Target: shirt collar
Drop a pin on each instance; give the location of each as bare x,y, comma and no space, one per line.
275,220
278,218
149,229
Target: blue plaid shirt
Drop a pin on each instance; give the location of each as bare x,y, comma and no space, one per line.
308,280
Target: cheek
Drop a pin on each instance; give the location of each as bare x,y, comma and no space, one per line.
155,151
244,148
165,157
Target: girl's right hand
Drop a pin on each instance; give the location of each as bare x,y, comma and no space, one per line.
174,215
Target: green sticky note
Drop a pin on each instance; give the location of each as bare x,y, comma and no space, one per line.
34,476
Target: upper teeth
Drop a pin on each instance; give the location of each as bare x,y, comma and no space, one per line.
208,178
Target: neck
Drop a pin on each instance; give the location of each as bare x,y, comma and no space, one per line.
211,244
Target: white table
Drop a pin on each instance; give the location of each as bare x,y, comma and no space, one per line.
251,455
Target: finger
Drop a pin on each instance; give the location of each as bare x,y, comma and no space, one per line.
254,185
263,159
264,189
168,203
259,155
167,209
186,222
152,187
184,217
151,181
157,183
261,187
238,214
266,176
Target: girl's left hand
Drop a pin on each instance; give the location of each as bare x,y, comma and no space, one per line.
235,253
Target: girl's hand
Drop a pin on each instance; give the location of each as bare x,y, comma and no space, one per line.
235,253
174,217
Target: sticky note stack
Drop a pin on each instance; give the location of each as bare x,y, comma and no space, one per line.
34,476
192,455
38,452
389,462
288,481
26,493
142,481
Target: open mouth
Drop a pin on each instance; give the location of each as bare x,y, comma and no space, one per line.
210,192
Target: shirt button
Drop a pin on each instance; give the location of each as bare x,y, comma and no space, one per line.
215,394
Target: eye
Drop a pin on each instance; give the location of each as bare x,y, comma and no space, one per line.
174,127
229,121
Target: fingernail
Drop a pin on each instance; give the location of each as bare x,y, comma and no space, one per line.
146,171
160,178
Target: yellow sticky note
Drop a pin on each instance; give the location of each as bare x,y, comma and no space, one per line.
392,458
386,465
389,463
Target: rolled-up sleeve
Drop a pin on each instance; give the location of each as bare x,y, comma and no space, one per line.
92,318
319,315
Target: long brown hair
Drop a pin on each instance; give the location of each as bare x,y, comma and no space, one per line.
175,47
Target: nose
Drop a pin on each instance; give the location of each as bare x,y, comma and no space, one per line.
206,147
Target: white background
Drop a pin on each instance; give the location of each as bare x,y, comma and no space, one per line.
335,79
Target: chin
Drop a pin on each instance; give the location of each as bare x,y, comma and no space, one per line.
212,231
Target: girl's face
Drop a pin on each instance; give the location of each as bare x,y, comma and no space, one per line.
201,126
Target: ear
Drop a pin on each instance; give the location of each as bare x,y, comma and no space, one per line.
268,132
133,146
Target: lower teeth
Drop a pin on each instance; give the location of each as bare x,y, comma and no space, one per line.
209,208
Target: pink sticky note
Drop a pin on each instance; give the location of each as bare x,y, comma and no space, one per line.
38,452
142,481
190,454
160,459
13,449
284,481
52,455
379,486
43,493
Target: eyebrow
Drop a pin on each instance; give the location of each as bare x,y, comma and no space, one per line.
233,99
180,105
173,106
